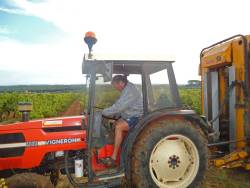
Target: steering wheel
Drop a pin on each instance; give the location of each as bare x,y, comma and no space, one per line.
108,117
98,107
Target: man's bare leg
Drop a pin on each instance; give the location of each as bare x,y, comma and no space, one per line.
121,126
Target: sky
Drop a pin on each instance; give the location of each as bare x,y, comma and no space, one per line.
41,41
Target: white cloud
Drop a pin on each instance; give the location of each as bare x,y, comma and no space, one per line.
13,11
57,60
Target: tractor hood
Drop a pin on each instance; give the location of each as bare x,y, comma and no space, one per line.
49,123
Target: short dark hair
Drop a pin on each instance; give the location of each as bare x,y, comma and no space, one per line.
120,78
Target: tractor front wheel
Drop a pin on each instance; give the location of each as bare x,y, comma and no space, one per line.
169,154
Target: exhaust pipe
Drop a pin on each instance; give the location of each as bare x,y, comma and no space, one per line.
25,108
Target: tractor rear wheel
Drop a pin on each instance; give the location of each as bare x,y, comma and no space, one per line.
28,180
169,154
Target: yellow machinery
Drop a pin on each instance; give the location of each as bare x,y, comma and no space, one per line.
225,75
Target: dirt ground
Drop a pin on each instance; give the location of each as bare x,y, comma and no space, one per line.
74,109
226,178
215,178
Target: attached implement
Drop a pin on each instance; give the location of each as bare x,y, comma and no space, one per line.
225,75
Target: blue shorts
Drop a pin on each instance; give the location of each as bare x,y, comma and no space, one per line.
132,121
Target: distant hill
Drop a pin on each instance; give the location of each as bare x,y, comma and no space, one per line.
42,88
57,88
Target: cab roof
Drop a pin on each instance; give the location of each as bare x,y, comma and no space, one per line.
130,58
128,64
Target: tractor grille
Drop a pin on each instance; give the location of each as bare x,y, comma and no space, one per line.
62,129
11,139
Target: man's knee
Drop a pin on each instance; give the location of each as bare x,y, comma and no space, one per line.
121,125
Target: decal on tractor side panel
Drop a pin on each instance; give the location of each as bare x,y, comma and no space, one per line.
41,143
63,141
52,122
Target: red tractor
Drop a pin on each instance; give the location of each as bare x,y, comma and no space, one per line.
167,148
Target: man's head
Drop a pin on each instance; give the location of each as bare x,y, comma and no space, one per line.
119,82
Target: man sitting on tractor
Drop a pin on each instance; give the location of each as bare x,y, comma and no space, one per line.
130,108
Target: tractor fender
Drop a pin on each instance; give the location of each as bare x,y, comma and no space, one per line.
156,116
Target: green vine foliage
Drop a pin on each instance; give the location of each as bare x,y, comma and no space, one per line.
52,104
192,98
44,104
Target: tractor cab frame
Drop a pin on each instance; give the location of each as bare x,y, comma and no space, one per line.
107,67
96,66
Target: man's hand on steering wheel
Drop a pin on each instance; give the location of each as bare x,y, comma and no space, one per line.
107,117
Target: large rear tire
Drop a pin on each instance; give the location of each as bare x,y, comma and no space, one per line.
28,180
169,154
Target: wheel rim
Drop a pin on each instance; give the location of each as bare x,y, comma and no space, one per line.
174,162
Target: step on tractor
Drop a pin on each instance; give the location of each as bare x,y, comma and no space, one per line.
167,147
225,75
